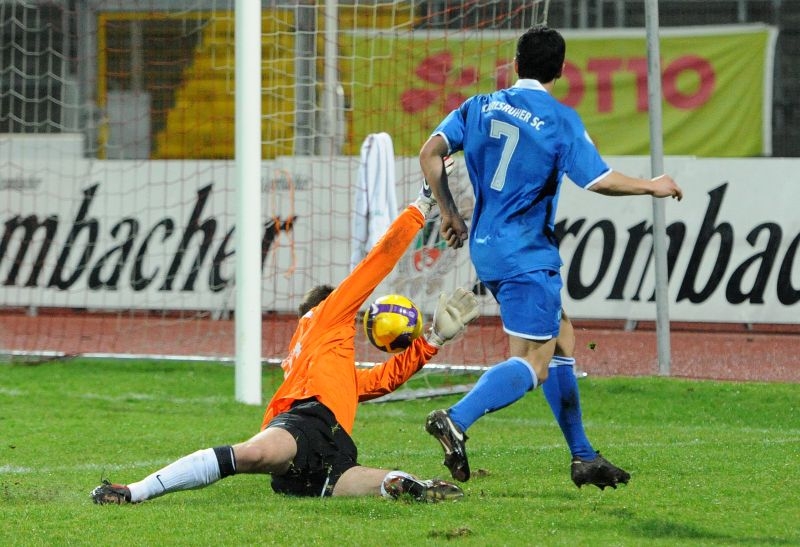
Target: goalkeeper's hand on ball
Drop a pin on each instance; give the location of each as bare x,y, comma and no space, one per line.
453,314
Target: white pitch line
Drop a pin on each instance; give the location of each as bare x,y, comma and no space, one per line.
123,397
104,469
100,469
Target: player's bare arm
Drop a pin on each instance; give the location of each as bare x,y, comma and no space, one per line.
619,184
431,158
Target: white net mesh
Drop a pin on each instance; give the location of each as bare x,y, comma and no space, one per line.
117,141
117,144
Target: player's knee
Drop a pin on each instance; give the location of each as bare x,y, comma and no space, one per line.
266,453
541,373
537,369
540,358
565,343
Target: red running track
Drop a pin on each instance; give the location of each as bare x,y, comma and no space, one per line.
769,353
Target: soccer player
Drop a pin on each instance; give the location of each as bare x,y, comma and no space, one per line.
518,143
305,441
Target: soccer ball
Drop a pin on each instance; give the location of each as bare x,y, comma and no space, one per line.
392,323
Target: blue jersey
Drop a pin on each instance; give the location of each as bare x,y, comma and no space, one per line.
518,143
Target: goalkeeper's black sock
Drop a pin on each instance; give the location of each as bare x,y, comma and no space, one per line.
226,460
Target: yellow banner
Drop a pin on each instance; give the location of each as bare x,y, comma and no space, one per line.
715,84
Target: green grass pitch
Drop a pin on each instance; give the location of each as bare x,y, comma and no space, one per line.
711,463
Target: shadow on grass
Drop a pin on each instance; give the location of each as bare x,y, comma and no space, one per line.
661,529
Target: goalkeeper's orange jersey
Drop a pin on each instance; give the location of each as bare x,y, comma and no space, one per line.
321,360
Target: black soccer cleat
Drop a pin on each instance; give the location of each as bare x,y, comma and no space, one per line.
108,493
432,490
599,472
453,441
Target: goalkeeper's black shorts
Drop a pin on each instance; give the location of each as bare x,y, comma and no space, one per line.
324,450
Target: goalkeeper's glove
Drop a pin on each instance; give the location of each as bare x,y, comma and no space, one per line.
453,314
425,200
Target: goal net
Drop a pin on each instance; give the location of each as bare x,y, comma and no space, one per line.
117,163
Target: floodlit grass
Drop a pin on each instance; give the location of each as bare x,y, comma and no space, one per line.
712,464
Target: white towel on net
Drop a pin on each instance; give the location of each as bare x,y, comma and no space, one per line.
375,198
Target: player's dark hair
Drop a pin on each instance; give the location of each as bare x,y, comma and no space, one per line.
314,296
540,54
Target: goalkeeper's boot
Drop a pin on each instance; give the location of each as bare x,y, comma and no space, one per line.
431,490
108,493
453,441
599,472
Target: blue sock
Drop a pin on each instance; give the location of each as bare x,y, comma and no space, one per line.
497,388
561,391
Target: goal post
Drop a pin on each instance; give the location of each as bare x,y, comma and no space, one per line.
247,315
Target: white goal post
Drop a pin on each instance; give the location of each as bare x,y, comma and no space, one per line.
247,316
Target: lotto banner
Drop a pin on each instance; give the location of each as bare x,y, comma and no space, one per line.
716,84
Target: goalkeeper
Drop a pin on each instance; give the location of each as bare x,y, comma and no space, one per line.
305,441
